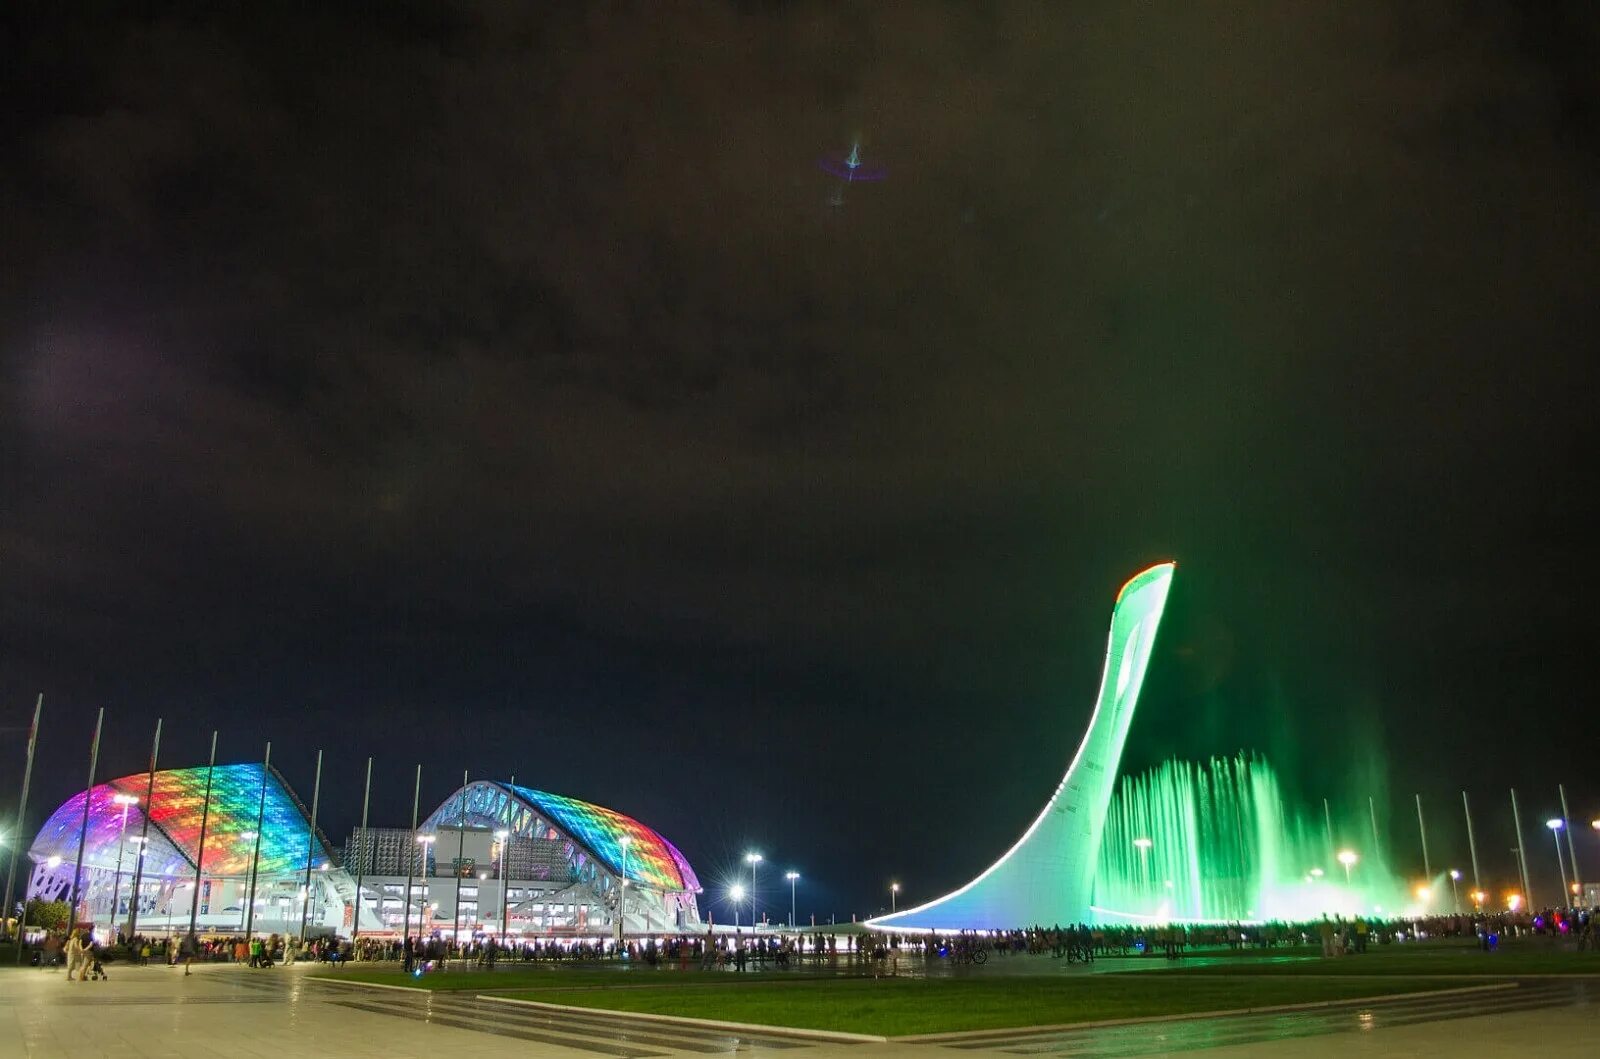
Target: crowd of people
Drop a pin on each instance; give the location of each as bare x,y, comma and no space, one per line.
1335,936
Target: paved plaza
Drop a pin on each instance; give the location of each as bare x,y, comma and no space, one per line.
228,1010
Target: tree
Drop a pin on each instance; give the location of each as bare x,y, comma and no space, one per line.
47,915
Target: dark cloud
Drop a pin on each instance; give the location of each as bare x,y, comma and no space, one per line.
503,387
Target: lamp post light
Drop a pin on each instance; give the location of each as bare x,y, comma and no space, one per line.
127,801
752,859
503,837
736,894
1348,858
793,877
894,893
1455,891
1555,825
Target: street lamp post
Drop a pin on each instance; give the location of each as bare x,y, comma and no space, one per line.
752,859
1455,892
894,894
1348,858
127,801
504,838
736,893
793,878
1555,825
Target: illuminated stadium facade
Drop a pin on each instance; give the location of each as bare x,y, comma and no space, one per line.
240,796
1047,876
493,858
498,858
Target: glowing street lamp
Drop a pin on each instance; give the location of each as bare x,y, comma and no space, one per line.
752,859
1348,858
127,801
894,892
1455,893
735,895
1555,825
1478,897
793,877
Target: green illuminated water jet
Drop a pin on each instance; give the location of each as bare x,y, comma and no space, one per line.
1218,842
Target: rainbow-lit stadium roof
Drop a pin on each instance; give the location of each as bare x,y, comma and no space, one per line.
651,860
175,811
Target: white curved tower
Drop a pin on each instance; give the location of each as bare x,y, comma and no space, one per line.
1046,877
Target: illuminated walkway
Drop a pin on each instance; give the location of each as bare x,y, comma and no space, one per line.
231,1011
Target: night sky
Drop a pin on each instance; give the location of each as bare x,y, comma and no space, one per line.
505,387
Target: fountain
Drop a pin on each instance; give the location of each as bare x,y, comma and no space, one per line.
1218,842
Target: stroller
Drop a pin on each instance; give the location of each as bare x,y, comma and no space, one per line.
97,969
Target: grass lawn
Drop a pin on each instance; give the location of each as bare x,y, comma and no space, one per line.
1425,959
541,976
899,1006
467,977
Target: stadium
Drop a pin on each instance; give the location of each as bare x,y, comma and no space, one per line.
493,858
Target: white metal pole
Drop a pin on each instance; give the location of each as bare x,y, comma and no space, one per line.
144,837
22,807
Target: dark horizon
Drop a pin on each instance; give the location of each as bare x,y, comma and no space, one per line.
515,391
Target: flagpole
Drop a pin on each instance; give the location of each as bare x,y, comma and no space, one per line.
311,843
1571,850
366,851
22,807
1422,832
83,830
144,837
1372,814
255,855
1472,844
411,862
461,852
200,850
1522,853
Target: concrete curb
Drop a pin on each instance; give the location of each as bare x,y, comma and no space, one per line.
372,985
837,1036
1024,1031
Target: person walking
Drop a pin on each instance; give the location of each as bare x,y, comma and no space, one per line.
75,954
186,951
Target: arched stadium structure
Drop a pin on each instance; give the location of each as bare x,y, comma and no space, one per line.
501,859
1047,876
120,850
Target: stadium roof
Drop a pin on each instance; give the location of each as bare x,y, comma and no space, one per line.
175,817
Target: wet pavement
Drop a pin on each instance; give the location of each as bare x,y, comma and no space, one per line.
230,1010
